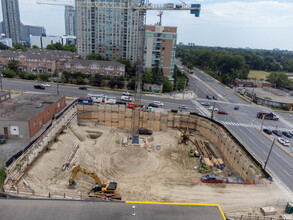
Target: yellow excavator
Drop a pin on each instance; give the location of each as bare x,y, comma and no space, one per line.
99,189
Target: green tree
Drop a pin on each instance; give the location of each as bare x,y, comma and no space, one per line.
147,77
94,57
44,76
58,46
51,47
79,81
3,47
8,73
13,65
30,76
279,78
157,76
167,85
19,46
35,47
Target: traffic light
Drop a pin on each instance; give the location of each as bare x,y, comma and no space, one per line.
291,108
263,117
227,91
234,115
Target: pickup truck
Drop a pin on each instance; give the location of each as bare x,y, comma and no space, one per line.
268,116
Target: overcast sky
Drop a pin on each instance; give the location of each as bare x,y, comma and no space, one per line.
265,24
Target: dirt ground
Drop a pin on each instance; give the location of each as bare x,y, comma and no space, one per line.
165,175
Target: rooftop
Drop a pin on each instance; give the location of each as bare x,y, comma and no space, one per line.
3,92
36,54
98,62
66,209
26,106
268,95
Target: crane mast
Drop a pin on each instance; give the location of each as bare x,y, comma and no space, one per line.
143,6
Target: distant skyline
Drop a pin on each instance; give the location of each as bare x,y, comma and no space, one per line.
265,24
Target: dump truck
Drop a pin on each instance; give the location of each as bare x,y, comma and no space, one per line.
268,116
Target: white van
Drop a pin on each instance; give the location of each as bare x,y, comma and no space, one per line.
96,98
126,98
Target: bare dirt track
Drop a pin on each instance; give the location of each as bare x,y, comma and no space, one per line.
165,175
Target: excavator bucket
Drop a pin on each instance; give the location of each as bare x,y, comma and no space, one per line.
72,185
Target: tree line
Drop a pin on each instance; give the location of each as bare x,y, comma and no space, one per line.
226,64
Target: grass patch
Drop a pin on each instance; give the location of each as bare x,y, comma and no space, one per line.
2,176
242,97
258,74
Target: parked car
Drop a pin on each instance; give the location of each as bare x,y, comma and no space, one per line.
83,88
145,131
158,103
205,103
182,107
211,108
291,132
39,86
215,97
154,105
277,132
126,98
222,113
127,93
236,107
287,134
212,178
209,97
46,85
284,142
2,140
267,131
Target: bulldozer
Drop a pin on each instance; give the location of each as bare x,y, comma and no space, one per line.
99,189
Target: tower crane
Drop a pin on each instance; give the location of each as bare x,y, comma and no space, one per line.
142,7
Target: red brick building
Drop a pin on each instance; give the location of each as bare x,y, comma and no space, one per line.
25,115
4,96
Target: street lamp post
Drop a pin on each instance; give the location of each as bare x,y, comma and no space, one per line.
266,162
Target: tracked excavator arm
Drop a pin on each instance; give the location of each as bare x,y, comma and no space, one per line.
99,189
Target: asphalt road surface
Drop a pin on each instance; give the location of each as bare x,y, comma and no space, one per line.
243,125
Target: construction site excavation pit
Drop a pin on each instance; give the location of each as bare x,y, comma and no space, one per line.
144,173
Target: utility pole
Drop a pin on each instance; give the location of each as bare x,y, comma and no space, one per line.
266,162
184,88
1,75
212,115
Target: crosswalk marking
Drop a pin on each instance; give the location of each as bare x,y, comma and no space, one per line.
252,125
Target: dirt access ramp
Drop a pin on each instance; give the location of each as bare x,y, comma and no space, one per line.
165,175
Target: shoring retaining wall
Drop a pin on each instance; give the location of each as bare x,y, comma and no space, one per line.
235,154
18,167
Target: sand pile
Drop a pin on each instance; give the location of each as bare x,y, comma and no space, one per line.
135,160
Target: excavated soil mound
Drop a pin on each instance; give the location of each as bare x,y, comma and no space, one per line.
135,160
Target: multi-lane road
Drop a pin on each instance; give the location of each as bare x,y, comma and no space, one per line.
242,126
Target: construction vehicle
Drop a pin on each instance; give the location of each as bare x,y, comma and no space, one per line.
99,189
193,152
268,116
184,138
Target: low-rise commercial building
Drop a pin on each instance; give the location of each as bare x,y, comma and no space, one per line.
269,97
92,67
25,115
